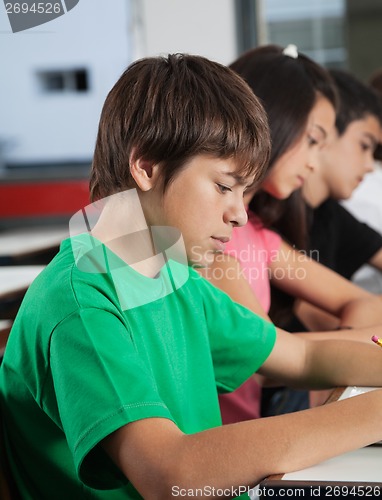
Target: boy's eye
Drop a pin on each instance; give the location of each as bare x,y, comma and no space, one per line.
366,147
312,141
223,189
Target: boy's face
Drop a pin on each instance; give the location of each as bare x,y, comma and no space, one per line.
346,159
205,202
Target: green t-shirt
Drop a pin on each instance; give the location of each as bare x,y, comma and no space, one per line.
95,346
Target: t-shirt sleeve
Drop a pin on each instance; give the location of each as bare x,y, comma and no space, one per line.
340,241
240,340
357,245
101,384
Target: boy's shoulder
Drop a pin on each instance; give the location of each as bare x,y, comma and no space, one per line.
69,282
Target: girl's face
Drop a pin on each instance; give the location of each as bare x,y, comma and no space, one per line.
346,158
292,168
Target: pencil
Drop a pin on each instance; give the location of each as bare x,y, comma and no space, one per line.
378,341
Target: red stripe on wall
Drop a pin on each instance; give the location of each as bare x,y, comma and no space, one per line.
43,198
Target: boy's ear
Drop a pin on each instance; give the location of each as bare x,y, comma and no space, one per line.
144,172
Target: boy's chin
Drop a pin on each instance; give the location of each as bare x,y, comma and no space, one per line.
202,261
345,195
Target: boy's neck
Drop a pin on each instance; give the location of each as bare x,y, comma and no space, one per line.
314,190
122,227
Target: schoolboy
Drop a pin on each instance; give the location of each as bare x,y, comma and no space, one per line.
109,381
338,239
344,244
365,203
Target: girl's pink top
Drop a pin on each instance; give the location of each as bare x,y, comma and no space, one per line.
254,247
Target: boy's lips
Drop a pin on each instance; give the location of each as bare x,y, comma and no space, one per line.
301,179
220,242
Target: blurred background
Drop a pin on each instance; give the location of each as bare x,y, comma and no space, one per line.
55,77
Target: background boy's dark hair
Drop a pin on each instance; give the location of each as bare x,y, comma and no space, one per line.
375,83
167,110
356,100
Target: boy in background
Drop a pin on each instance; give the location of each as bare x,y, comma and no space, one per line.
339,240
365,204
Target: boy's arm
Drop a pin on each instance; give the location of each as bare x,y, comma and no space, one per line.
376,260
160,460
310,281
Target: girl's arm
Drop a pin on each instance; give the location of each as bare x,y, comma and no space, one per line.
226,273
314,318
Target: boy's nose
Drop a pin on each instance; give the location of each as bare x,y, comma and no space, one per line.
369,165
237,216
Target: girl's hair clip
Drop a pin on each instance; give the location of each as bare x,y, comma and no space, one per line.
291,51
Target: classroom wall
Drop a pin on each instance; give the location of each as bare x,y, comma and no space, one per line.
204,27
40,126
103,37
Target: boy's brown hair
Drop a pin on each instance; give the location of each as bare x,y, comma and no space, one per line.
169,109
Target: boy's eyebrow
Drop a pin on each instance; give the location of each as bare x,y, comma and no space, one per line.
322,130
373,139
242,180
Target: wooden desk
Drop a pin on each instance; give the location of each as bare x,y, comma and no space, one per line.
14,282
31,245
354,474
